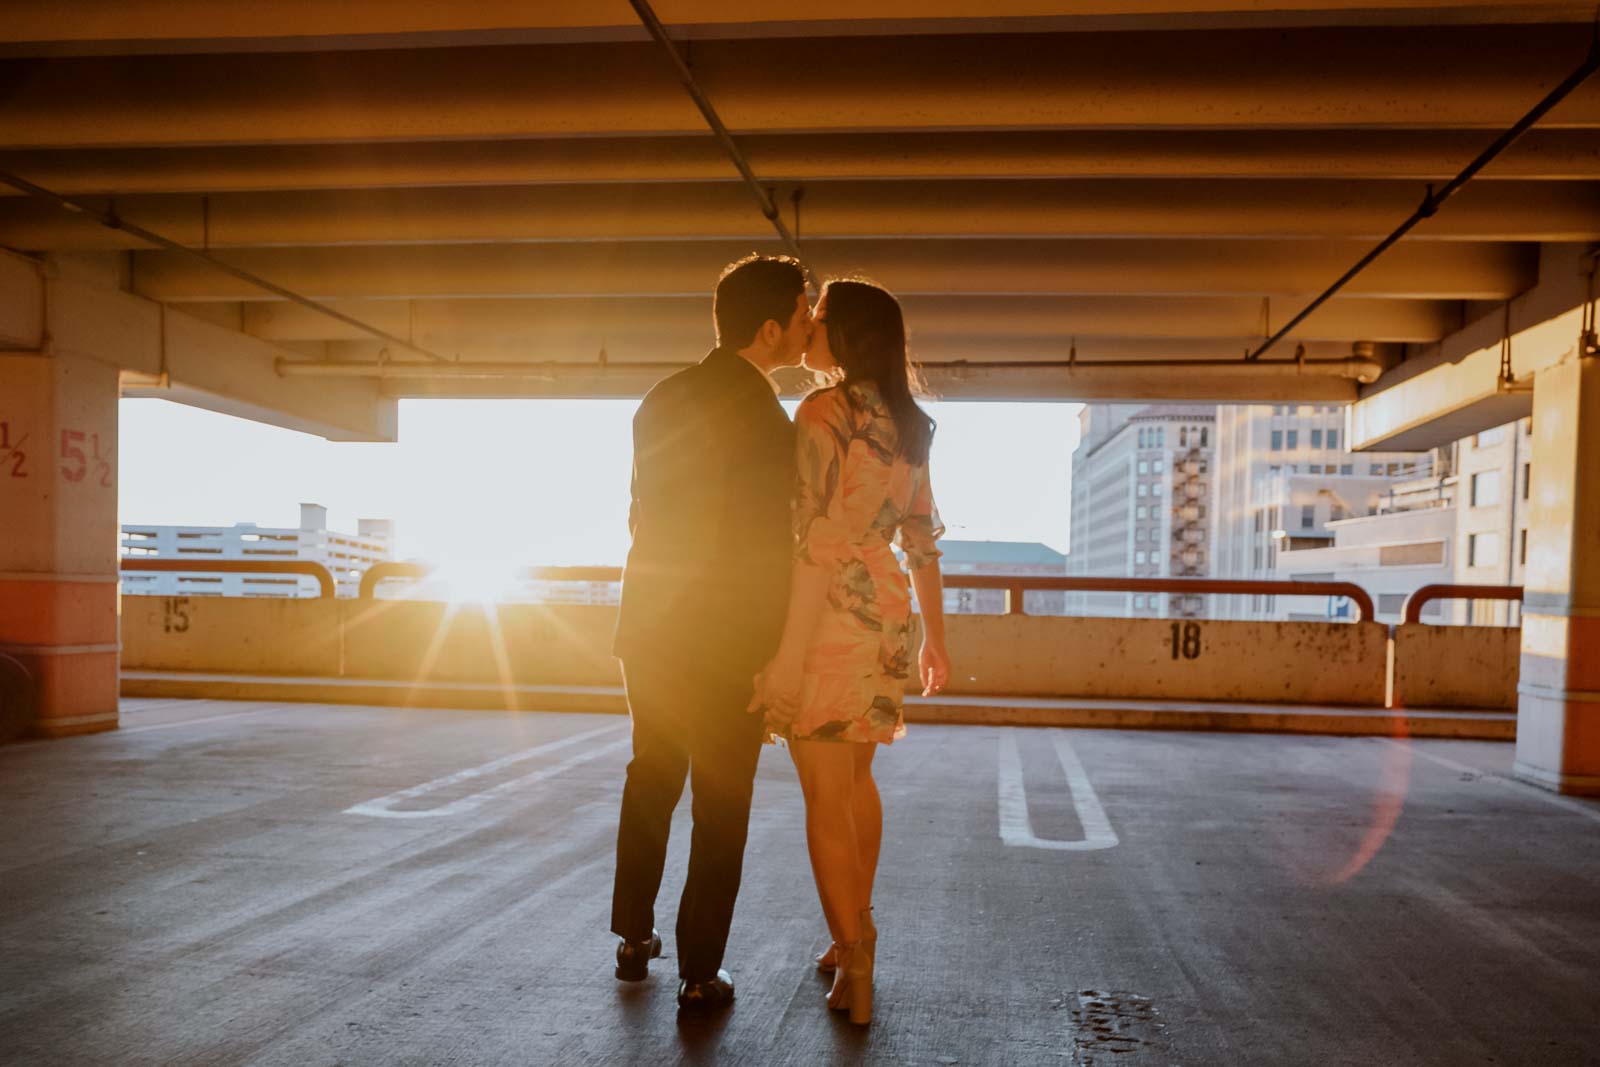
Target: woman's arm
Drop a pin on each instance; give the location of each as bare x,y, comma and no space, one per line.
933,664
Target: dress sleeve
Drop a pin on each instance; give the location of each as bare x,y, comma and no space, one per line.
921,529
831,511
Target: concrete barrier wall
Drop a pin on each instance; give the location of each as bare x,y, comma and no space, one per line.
569,645
231,635
1456,666
1163,659
526,644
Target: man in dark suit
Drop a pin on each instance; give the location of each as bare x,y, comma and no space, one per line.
704,595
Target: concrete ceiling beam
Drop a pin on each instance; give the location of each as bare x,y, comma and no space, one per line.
441,324
1498,211
1413,155
1456,270
1012,383
132,26
1454,388
1429,77
196,362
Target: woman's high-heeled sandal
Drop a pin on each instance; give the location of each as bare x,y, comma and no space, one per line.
852,983
828,961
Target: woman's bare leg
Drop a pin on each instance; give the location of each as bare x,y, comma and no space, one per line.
827,778
868,820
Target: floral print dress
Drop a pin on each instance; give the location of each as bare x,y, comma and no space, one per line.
855,499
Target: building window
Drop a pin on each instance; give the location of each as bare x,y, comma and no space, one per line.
1183,437
1292,440
1333,438
1138,602
1142,512
1488,437
1158,466
1375,468
1483,549
1308,516
1346,468
1527,479
1336,512
1485,489
1141,557
1316,438
1144,467
1138,535
1277,440
1522,553
1144,490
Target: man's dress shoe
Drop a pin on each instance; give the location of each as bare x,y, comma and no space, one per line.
633,957
711,994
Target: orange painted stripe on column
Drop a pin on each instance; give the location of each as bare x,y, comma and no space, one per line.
74,694
1583,653
54,611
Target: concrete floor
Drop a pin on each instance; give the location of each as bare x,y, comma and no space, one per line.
194,889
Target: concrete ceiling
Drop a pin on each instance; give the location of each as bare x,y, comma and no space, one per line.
1117,179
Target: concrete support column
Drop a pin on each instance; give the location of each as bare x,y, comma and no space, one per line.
1558,704
58,537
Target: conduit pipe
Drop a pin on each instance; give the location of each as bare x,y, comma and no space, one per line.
1360,368
1434,200
763,200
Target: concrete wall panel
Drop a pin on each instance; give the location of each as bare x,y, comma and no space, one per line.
229,635
528,644
1456,666
1267,662
570,645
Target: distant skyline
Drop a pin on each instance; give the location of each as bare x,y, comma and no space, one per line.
535,481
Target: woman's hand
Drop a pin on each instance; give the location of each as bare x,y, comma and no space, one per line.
778,686
933,667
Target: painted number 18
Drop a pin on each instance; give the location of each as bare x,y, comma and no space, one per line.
1186,640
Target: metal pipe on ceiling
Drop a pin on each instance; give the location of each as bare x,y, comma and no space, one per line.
111,220
1359,368
1434,200
769,210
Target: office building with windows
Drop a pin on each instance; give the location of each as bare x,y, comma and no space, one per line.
1466,524
1140,500
1283,475
346,555
1001,557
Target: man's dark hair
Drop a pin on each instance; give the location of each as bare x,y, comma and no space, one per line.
753,290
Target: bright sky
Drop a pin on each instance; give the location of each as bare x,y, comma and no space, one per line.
534,481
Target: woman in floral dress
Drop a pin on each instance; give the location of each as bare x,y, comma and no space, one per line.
834,688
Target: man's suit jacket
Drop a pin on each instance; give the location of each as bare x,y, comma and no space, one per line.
707,577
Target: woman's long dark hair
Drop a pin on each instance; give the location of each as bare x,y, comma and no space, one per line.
867,335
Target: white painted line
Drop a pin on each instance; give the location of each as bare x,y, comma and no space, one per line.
1017,829
383,807
195,722
1575,806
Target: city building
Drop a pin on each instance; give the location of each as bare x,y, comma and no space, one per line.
346,555
1465,525
1283,476
1001,557
1140,500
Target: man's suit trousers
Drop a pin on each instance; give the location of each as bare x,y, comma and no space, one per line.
688,721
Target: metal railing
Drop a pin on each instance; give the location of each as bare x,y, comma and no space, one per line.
380,572
1412,612
309,568
1015,586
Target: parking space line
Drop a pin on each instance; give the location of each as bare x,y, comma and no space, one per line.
1016,828
383,807
1577,807
174,724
